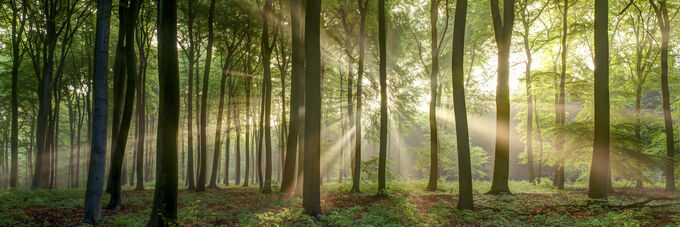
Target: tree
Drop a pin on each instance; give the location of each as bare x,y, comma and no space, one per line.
95,179
598,185
382,165
665,26
118,152
434,73
356,171
204,108
18,22
311,195
267,96
164,211
503,33
190,54
560,114
528,17
145,30
465,201
296,95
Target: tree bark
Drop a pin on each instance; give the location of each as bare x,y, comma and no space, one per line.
164,211
311,195
95,179
465,201
382,161
434,73
356,173
503,33
599,168
664,24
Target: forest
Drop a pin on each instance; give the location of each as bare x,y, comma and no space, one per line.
339,112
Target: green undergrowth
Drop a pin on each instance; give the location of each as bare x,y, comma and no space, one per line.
402,204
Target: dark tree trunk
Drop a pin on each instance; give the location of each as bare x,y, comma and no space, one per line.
118,153
311,195
164,211
237,166
41,177
296,95
356,172
141,129
95,179
204,106
599,168
665,26
503,32
190,96
465,201
238,151
18,21
267,50
204,112
382,161
434,73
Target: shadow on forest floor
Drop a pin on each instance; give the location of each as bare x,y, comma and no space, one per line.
406,206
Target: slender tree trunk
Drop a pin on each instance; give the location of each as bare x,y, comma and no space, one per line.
296,95
190,96
118,154
18,22
465,201
561,100
664,24
527,72
95,180
540,143
202,174
267,88
434,73
382,161
356,174
237,171
599,168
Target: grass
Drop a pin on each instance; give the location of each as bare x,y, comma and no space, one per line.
407,204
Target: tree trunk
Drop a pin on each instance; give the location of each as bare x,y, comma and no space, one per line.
238,152
599,168
664,24
267,49
311,195
18,22
95,179
118,153
164,211
560,115
434,73
204,106
503,32
382,161
356,173
465,201
296,95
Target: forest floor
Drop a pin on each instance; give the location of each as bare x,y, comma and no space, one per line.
407,205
